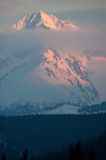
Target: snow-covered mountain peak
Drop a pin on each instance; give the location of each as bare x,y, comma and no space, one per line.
41,19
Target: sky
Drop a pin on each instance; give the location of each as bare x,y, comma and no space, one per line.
88,13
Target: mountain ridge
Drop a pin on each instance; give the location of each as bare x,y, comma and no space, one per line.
41,19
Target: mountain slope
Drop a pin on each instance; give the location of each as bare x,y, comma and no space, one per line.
43,20
69,71
46,80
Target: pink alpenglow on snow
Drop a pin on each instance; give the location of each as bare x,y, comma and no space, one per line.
41,19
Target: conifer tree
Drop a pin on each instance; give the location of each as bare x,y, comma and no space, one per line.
92,155
76,153
3,157
24,155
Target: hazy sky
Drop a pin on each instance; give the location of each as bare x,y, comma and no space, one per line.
84,12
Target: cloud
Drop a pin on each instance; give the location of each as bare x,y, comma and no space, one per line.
78,3
100,58
74,3
88,41
13,3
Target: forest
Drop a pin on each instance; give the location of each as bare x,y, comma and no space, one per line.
44,137
94,149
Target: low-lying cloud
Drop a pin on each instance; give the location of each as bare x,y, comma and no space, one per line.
90,42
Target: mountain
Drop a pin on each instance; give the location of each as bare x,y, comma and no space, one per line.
47,72
43,81
41,19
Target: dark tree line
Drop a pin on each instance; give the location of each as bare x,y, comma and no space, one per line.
92,150
75,152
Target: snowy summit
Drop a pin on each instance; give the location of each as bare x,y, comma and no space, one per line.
41,19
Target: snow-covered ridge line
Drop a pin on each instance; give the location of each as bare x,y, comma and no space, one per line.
41,19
